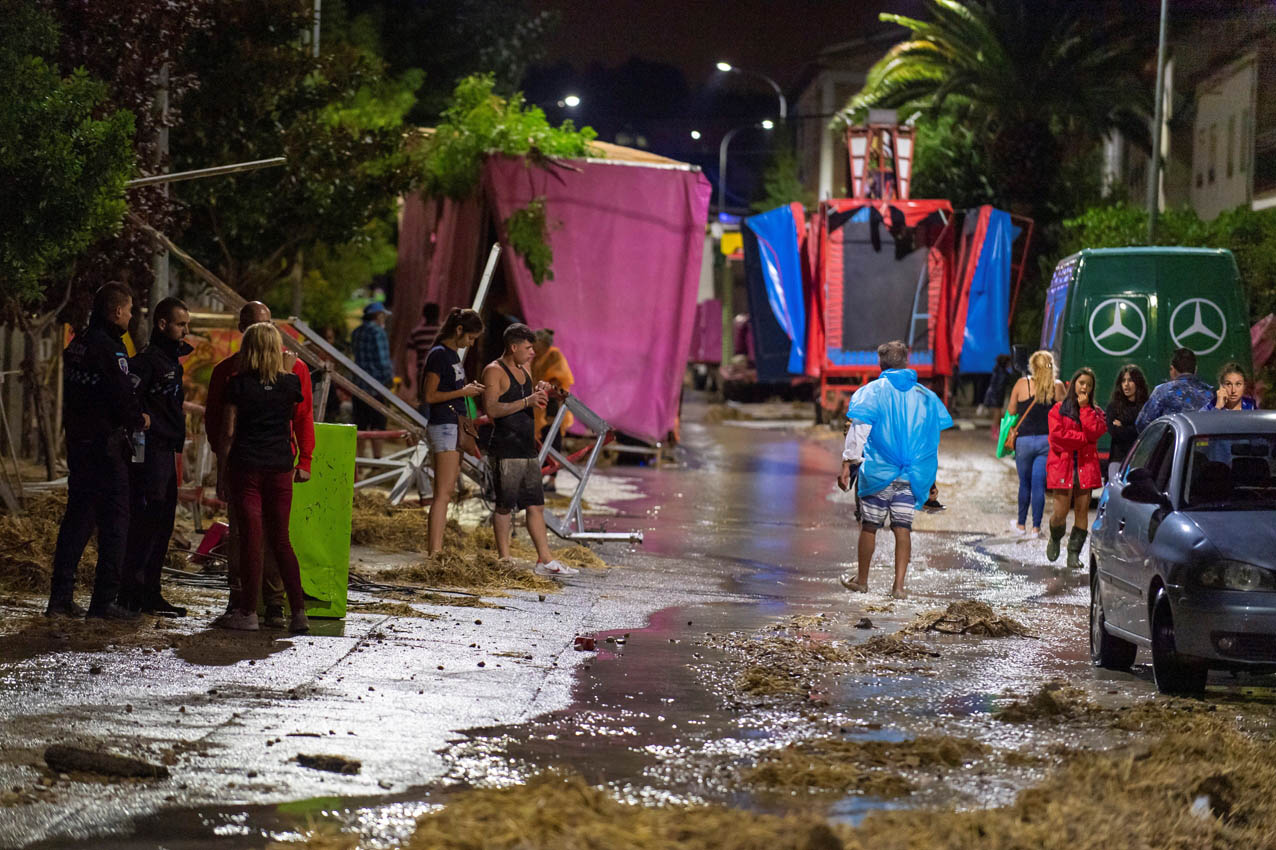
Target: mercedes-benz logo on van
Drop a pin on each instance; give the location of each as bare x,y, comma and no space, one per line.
1117,326
1202,325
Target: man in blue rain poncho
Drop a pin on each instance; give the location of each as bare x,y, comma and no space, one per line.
901,458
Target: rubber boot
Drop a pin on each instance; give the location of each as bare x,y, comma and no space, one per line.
1052,545
1076,541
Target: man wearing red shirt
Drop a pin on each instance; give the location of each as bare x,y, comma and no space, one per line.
303,439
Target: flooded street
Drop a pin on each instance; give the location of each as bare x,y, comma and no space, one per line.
724,645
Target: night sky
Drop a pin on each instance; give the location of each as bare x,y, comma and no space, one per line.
775,38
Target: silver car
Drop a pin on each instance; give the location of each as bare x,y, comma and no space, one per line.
1183,550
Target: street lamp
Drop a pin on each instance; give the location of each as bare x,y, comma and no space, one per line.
571,101
728,295
728,68
695,134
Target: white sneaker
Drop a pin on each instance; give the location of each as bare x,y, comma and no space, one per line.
554,568
239,621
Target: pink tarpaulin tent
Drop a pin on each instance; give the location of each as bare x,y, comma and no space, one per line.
627,240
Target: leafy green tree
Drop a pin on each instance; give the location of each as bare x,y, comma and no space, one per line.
63,160
334,272
477,123
1035,81
338,118
449,40
780,183
135,49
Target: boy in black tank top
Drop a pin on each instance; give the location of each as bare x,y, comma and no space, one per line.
509,398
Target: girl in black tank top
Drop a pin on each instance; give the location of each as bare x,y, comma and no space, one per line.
513,436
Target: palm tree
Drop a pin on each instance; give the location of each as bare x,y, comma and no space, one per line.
1038,79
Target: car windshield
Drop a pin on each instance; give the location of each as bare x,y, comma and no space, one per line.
1231,472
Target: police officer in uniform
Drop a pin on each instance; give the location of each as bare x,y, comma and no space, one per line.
100,411
153,482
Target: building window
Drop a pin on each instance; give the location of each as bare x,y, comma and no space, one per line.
1245,139
1231,144
1213,153
1200,158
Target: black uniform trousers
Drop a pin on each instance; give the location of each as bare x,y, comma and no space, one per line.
153,508
97,495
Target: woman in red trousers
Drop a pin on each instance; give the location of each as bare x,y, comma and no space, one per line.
1072,469
257,467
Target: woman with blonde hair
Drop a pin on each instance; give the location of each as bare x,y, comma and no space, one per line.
256,467
1032,398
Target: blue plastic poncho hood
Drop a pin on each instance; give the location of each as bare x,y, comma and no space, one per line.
904,443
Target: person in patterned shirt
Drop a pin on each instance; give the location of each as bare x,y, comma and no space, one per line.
1182,392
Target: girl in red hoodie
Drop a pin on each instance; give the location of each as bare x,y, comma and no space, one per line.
1072,470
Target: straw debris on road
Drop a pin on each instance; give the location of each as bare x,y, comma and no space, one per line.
840,765
563,812
27,541
968,617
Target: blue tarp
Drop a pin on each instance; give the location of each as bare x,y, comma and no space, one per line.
904,443
988,316
781,264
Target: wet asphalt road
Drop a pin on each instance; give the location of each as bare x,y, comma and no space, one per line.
748,532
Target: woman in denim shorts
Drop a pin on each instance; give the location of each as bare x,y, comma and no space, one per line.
445,391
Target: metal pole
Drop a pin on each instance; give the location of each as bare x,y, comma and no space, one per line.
206,172
784,104
728,295
159,260
1154,172
314,39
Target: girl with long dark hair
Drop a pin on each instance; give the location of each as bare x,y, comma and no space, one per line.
1128,397
1072,471
445,391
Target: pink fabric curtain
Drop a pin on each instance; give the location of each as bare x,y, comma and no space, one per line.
439,258
627,244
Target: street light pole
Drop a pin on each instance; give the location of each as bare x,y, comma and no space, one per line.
1154,173
728,290
727,67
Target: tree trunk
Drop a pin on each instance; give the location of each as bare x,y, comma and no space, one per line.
33,375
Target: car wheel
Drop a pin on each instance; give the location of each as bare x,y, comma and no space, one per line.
1106,650
1174,674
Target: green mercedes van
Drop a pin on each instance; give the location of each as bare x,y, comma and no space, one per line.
1111,306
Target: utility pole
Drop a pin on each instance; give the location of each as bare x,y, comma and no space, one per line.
1154,172
298,272
159,260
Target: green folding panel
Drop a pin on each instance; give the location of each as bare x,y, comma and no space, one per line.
320,521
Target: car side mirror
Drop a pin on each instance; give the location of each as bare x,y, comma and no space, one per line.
1140,487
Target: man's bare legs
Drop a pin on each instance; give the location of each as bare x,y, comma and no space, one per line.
867,545
503,527
447,466
536,528
903,554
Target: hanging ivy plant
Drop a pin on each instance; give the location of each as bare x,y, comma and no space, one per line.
479,123
528,233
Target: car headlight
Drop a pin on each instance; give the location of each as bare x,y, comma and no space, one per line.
1235,575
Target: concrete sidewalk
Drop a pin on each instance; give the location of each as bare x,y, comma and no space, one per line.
229,712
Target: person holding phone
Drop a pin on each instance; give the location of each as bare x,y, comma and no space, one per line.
444,393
